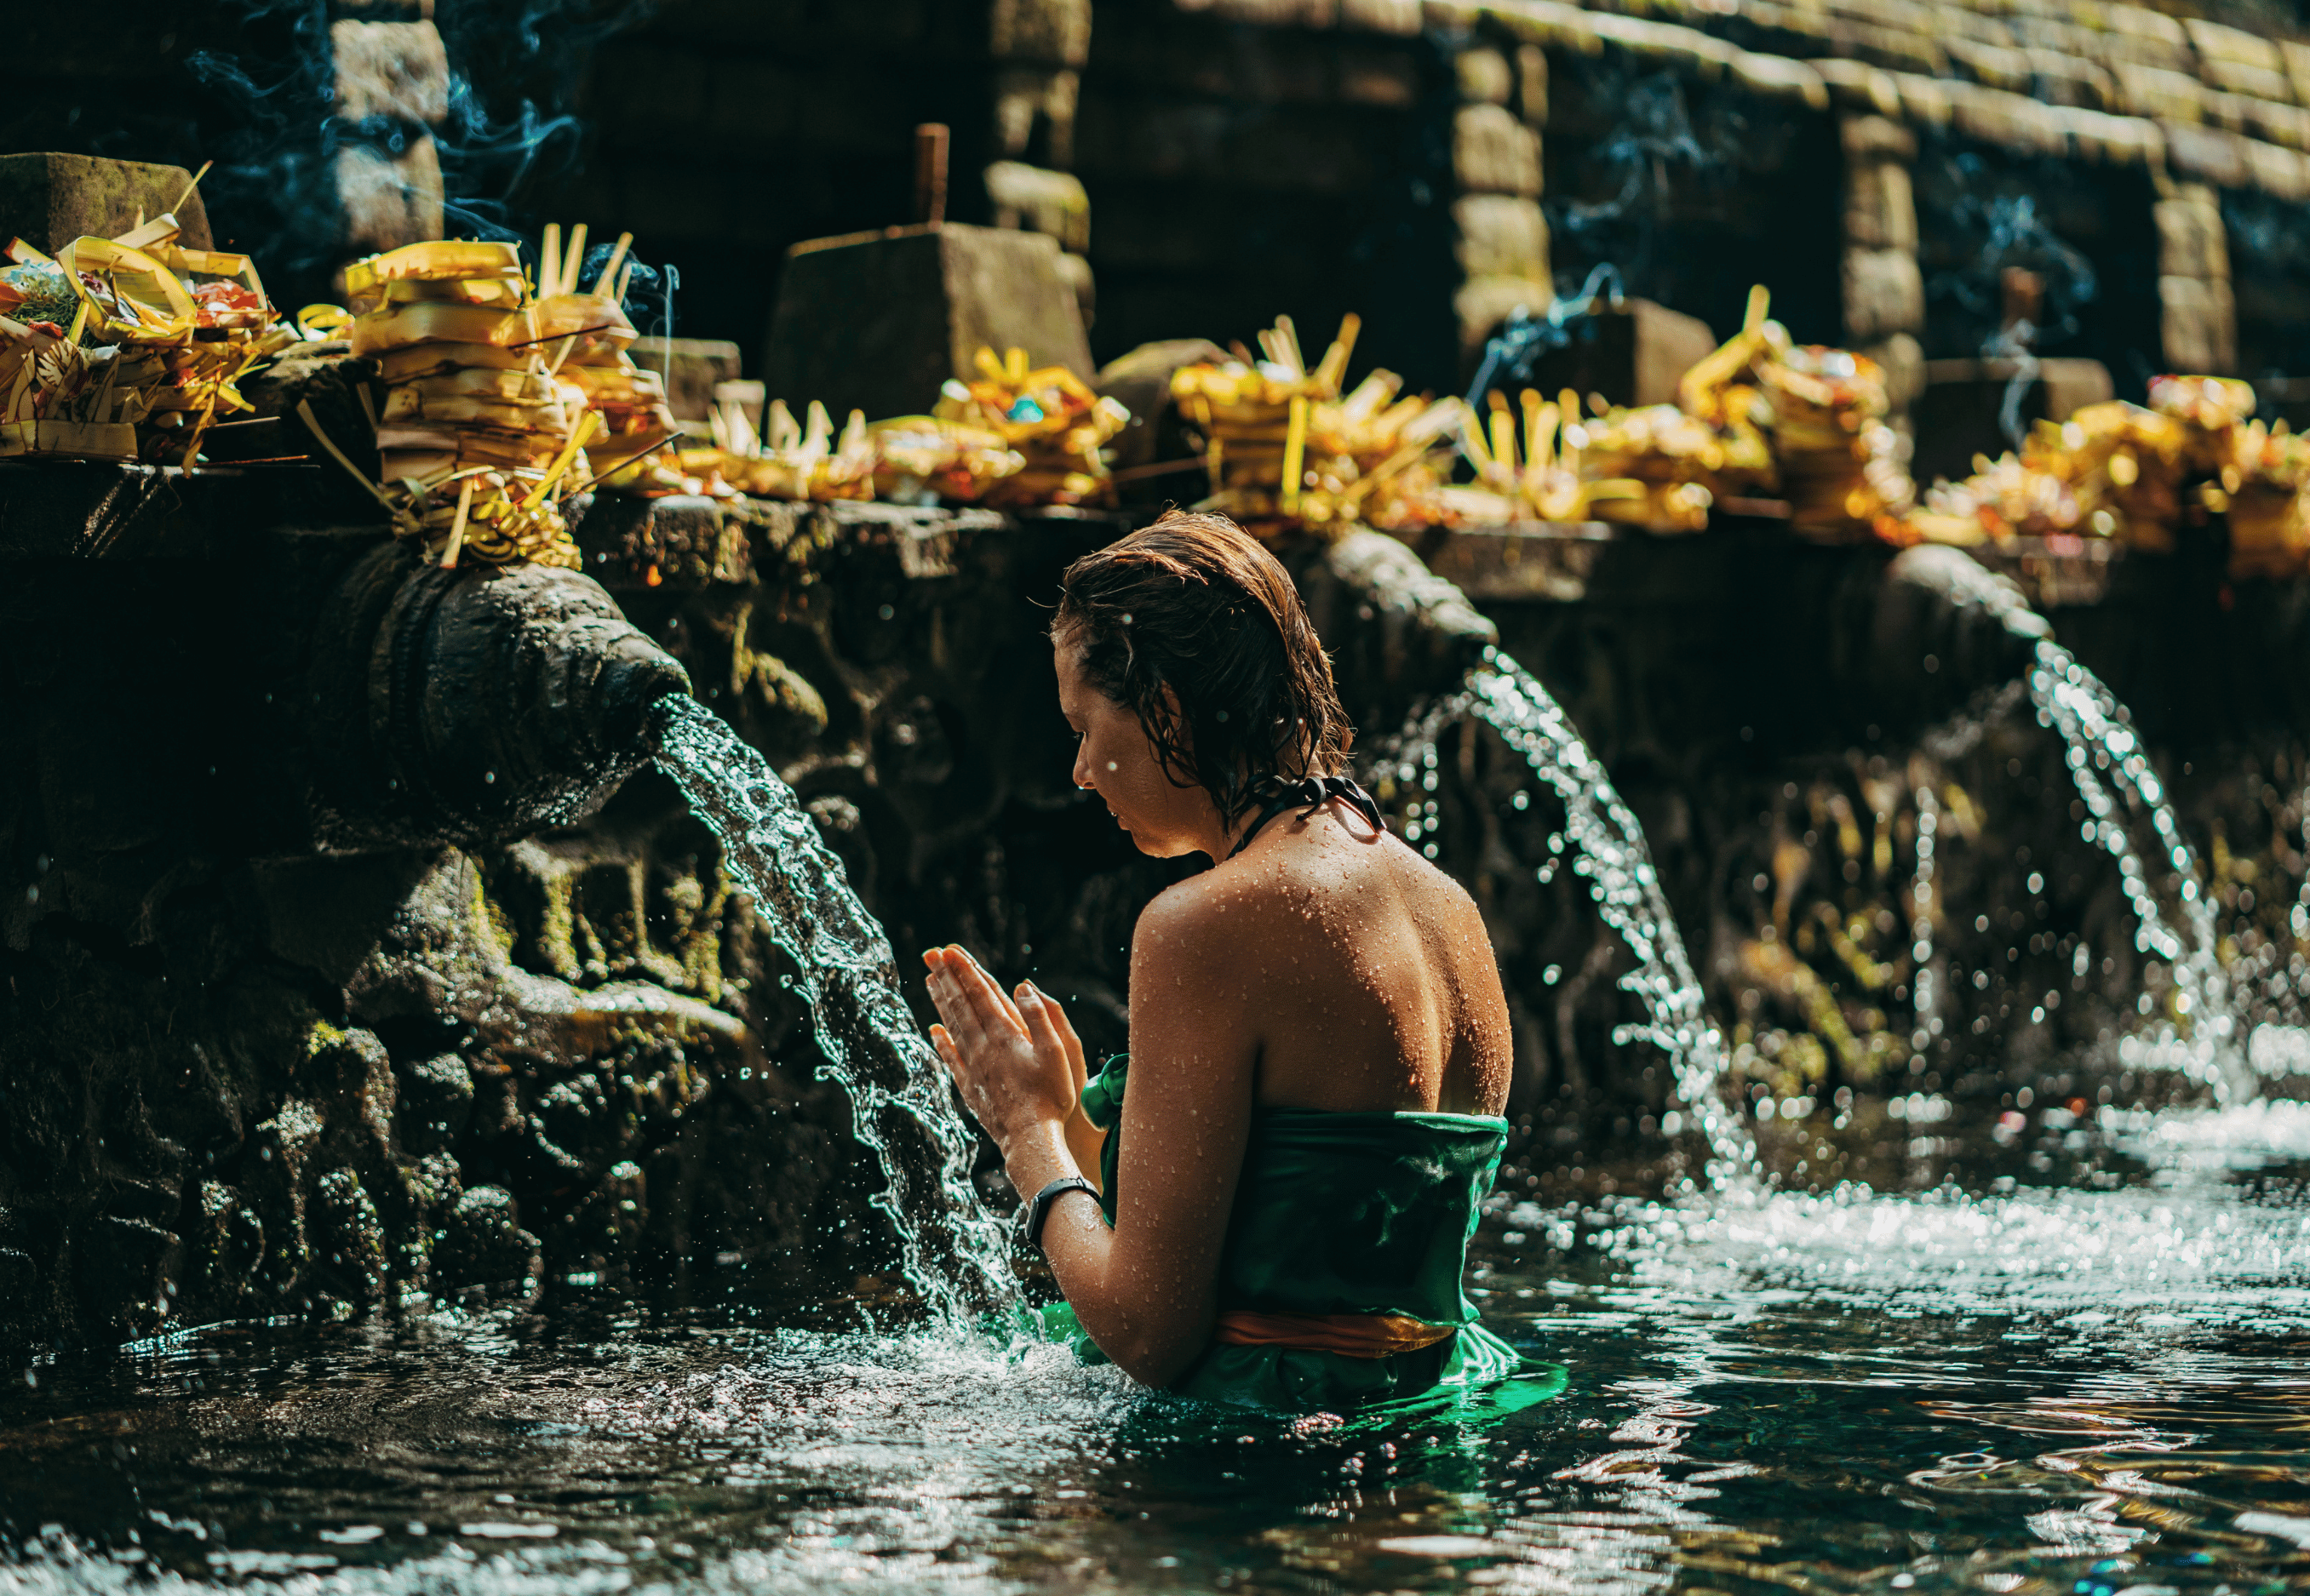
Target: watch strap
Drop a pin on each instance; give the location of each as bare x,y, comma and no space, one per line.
1039,1209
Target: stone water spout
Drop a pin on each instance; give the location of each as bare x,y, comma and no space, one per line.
1938,628
461,704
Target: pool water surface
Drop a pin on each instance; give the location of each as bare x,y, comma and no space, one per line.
2080,1391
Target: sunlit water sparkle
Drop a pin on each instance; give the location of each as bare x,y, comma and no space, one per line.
1608,852
2044,1391
953,1252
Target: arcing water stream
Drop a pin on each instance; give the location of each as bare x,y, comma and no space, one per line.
1608,851
2075,702
2081,1385
953,1252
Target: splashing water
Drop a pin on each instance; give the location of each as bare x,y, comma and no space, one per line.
953,1251
1923,996
2076,704
1609,852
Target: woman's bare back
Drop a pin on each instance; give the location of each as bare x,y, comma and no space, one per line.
1367,974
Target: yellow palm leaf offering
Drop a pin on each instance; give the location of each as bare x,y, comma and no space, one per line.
478,442
587,334
127,348
1049,416
1286,449
2126,472
1760,415
798,462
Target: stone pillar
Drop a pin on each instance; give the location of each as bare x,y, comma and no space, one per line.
1884,286
1500,235
391,91
1040,47
2198,315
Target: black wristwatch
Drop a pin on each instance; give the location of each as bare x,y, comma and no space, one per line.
1031,1217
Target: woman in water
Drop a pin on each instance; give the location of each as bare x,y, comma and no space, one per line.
1278,1210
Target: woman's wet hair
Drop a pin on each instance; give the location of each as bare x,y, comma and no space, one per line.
1195,605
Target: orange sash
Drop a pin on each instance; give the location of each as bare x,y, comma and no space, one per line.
1351,1335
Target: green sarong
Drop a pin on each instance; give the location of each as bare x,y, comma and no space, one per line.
1344,1214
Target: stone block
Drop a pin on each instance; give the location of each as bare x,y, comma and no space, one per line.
389,200
2142,23
2280,172
2286,124
693,368
2207,154
1075,273
1500,236
2073,81
1025,96
1997,65
1375,74
2297,57
1778,77
877,321
2191,240
1634,355
1045,201
1483,76
49,200
1399,17
1884,294
1958,412
1876,138
2258,83
1141,381
1052,32
1903,358
1492,152
2164,96
1881,211
2219,46
2198,322
395,70
1531,85
1483,303
1857,86
1270,13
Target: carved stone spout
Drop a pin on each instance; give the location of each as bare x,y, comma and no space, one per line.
1943,628
459,705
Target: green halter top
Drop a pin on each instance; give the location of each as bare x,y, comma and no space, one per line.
1342,1214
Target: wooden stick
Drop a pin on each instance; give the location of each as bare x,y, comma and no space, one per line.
1334,370
585,429
548,259
457,526
1290,336
305,410
566,279
1295,450
930,172
181,198
617,258
625,282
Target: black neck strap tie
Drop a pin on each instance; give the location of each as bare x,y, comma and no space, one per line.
1310,794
